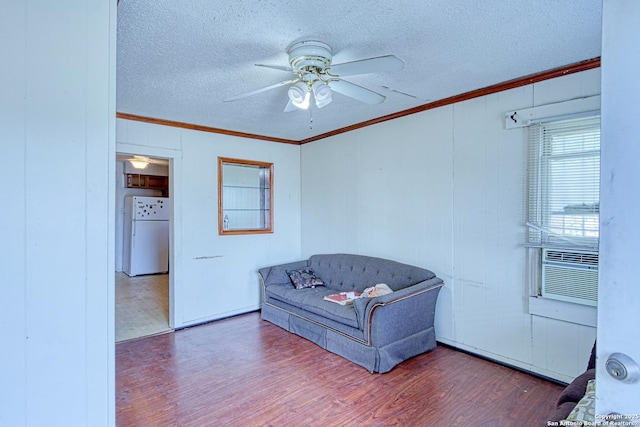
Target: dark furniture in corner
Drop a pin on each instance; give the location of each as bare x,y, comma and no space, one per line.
572,394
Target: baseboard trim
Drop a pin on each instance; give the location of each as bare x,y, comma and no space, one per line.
554,377
204,322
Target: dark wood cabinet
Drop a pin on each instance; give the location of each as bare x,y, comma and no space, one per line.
150,182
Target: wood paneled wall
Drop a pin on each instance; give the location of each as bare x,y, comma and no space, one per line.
57,127
444,189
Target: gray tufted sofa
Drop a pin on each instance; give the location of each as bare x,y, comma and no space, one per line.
376,333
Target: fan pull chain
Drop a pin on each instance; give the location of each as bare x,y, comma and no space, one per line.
310,118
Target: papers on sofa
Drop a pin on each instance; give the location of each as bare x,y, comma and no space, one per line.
343,298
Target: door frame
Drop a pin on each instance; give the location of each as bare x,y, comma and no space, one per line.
175,220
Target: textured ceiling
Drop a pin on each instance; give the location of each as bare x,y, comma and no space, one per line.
177,60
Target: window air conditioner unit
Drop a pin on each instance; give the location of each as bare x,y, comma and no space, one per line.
570,276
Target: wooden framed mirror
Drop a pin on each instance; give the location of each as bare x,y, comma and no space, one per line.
245,196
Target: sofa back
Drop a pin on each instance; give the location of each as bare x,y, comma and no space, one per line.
347,272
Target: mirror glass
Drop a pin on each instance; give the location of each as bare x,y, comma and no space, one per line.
245,195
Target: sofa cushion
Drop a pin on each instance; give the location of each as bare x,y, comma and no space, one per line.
304,278
312,300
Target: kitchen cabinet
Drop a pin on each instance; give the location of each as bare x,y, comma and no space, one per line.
151,182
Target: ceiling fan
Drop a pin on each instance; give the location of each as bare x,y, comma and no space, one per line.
314,74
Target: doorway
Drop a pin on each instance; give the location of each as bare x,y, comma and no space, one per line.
142,300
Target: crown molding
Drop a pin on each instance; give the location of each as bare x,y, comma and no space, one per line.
209,129
500,87
511,84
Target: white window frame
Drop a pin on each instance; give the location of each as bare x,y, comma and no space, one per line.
538,306
563,175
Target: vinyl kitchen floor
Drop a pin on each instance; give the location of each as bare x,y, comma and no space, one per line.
142,305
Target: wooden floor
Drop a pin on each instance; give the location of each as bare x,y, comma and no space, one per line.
142,305
243,371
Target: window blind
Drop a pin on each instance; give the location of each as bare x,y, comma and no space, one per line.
564,184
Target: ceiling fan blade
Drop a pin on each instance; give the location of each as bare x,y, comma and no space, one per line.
276,67
356,92
290,107
372,65
257,91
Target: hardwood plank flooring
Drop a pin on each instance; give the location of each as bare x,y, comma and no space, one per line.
244,371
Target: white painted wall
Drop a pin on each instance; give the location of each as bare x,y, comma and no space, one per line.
57,133
444,189
216,276
619,293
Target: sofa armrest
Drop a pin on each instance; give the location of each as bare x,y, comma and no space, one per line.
277,274
399,314
571,395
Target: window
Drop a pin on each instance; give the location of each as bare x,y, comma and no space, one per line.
564,183
245,196
563,212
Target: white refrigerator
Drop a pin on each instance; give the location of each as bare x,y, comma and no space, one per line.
146,235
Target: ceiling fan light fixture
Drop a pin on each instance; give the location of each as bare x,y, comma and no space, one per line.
297,92
300,95
305,102
322,93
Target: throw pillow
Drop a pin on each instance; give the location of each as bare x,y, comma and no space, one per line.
304,278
